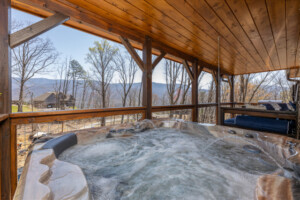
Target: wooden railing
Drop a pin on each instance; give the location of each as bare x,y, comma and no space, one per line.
258,113
58,116
3,117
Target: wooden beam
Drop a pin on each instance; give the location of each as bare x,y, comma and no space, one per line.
217,80
5,99
200,69
194,90
158,59
231,85
297,110
59,116
3,117
37,29
132,52
188,69
147,77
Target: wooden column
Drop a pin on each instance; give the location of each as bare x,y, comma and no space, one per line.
231,84
217,80
147,77
5,99
297,102
195,91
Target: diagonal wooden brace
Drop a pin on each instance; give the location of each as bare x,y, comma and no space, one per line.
36,29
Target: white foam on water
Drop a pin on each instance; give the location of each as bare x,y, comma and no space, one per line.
169,164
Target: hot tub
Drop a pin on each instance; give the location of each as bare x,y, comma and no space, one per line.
163,160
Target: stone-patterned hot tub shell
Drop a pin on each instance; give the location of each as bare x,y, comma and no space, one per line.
46,177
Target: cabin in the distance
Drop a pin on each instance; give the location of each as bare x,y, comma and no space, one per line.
53,100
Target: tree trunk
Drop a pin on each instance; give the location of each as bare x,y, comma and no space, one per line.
20,103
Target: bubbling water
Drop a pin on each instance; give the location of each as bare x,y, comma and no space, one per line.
166,163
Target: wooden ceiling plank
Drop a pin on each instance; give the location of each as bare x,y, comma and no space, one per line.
259,13
196,21
225,14
242,14
45,8
134,24
292,32
193,32
178,33
276,10
196,34
203,9
132,8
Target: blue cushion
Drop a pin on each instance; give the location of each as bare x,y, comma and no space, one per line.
283,107
269,106
229,121
263,124
293,105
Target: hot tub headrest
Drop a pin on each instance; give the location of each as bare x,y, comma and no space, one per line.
61,143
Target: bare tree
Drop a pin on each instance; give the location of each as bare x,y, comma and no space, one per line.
126,72
186,85
243,86
29,59
85,85
284,86
76,73
101,56
61,86
174,81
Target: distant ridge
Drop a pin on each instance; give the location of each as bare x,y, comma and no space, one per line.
39,86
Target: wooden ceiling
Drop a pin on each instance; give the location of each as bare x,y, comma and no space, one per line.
255,35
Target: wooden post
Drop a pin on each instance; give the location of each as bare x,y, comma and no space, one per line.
195,91
297,98
5,99
147,77
231,84
218,99
217,80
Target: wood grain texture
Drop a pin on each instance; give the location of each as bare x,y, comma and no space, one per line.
188,69
36,29
13,159
195,82
158,59
147,77
256,35
132,52
3,117
40,117
5,99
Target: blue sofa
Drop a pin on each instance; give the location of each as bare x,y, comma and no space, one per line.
260,123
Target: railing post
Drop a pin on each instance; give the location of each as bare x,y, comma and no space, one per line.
222,116
5,100
147,77
195,91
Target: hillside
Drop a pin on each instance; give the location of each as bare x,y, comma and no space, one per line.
39,86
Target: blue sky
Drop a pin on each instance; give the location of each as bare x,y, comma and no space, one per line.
71,43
